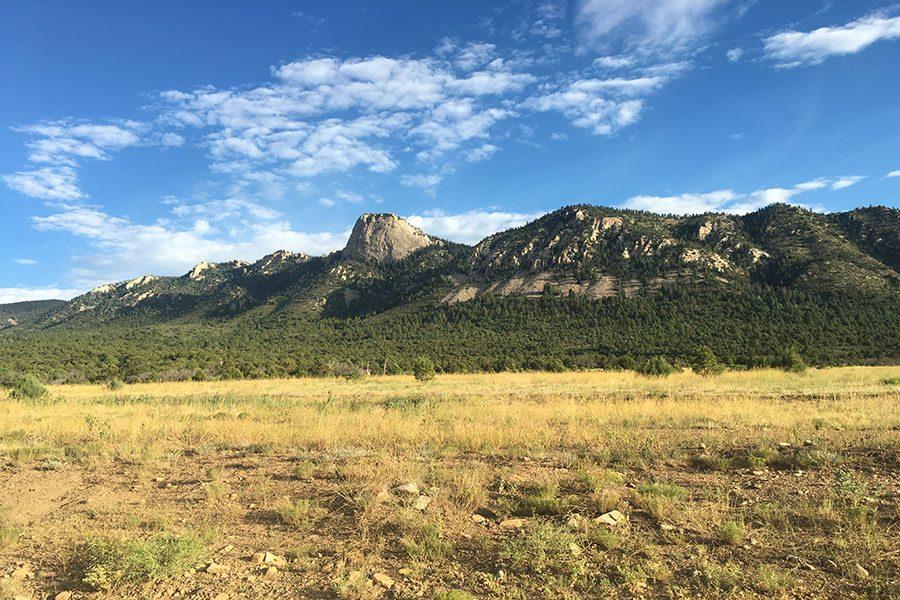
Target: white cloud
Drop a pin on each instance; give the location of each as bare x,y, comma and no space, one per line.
615,62
602,105
658,27
326,114
815,184
351,197
47,183
893,173
845,182
470,227
731,202
734,54
25,261
481,153
426,182
171,140
28,294
60,145
327,202
790,49
125,248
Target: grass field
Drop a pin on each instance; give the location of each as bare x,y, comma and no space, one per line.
748,484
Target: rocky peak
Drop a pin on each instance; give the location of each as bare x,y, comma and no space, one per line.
384,238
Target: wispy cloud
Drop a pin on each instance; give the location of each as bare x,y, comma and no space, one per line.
790,49
893,173
56,148
469,227
730,201
28,294
25,261
662,27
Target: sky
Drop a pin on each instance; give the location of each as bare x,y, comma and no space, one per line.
144,137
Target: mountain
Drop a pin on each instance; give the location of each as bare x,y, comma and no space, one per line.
825,273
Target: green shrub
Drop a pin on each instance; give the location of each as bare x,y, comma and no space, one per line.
29,387
704,362
423,369
544,550
656,366
732,532
115,384
106,564
792,362
299,514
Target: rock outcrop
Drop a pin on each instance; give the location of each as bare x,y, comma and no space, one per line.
384,238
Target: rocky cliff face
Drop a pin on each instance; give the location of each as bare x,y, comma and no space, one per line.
384,238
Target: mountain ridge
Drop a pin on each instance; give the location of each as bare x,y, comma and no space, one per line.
582,249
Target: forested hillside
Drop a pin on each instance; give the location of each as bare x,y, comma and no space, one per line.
582,287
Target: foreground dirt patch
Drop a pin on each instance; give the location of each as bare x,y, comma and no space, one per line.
490,525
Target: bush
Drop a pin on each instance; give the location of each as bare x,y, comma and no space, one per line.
792,362
115,384
346,370
423,369
29,387
704,362
656,366
106,564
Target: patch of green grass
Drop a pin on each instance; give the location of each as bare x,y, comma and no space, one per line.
106,564
424,541
710,463
726,578
601,537
544,550
769,579
8,533
659,499
539,500
304,469
453,595
299,514
731,532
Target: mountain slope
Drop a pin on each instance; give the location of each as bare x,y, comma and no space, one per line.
593,251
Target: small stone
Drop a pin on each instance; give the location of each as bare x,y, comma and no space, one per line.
513,523
221,596
226,549
667,527
480,519
860,571
22,572
217,569
258,558
384,580
574,522
612,518
406,572
808,443
409,489
758,473
274,560
574,549
422,502
784,444
271,571
63,596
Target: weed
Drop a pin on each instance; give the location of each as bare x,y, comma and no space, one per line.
710,463
541,499
29,387
304,469
299,514
659,499
106,564
115,384
544,550
424,540
769,579
731,532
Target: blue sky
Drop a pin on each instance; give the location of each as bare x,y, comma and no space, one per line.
143,137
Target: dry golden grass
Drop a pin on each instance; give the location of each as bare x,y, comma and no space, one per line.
754,484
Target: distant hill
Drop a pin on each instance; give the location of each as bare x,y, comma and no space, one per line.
581,259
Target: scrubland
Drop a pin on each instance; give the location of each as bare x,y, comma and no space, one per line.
522,485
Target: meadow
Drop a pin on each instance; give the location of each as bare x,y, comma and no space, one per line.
518,485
